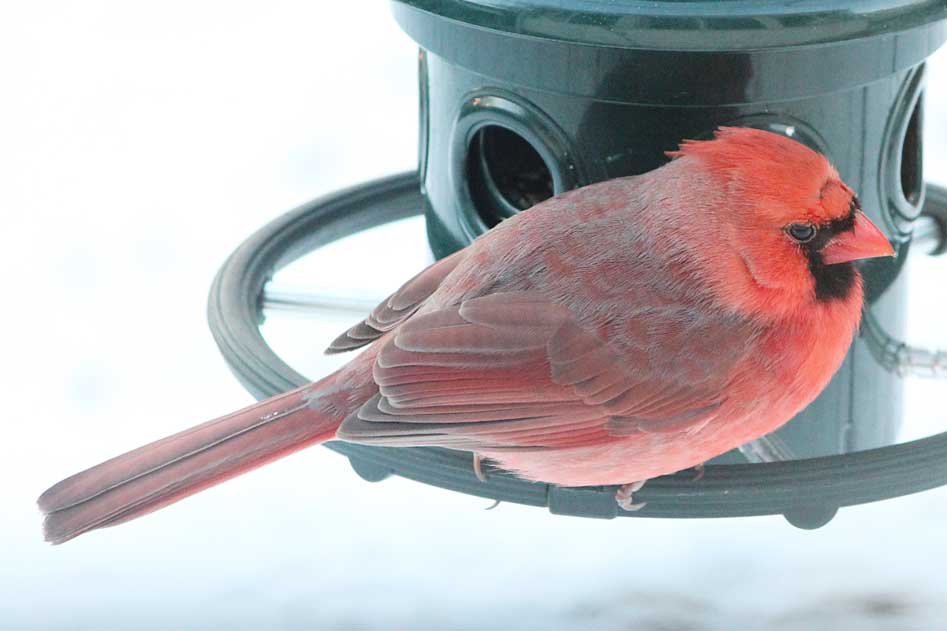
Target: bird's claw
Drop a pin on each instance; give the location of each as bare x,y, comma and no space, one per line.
478,468
699,472
625,499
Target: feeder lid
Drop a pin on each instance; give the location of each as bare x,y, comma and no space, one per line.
693,25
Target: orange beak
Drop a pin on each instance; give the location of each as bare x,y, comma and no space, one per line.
864,241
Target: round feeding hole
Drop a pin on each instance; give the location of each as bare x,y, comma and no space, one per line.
505,174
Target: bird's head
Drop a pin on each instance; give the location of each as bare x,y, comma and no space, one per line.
792,228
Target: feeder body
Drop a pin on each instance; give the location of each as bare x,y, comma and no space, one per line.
521,100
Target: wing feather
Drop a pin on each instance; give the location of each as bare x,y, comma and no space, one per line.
398,307
515,371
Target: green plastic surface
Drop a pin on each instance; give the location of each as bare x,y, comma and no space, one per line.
691,24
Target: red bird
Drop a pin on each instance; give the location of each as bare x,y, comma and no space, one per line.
615,333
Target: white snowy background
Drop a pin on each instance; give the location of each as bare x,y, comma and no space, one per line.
140,143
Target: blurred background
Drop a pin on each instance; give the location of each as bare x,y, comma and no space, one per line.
141,143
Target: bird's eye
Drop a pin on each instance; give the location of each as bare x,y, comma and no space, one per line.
801,232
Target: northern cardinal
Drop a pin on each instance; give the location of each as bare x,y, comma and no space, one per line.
621,331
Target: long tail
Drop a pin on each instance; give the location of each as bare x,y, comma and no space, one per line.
170,469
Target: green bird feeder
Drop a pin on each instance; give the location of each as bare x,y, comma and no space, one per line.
523,99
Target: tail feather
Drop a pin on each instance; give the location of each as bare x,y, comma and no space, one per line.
175,467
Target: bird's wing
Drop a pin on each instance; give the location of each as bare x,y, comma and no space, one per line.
397,307
513,370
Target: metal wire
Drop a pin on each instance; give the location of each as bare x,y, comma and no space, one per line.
930,237
899,357
769,448
276,298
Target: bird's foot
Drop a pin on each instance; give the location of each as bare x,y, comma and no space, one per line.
624,496
478,468
699,472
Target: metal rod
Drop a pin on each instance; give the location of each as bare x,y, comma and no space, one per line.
769,448
287,299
